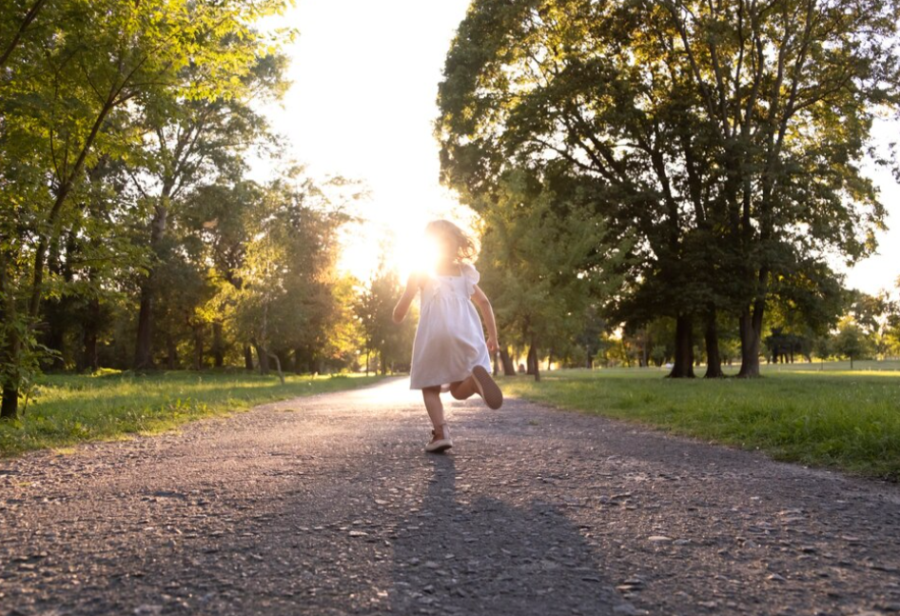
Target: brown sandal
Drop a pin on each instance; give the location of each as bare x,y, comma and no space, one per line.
439,445
487,387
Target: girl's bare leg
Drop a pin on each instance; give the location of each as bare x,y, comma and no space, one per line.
435,408
463,390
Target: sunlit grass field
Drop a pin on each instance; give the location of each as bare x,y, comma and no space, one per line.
798,413
70,409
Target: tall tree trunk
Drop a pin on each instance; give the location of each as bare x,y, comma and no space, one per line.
277,366
262,351
64,188
9,353
218,345
713,358
55,335
750,325
262,357
143,354
495,369
684,348
57,310
532,362
509,368
9,407
751,330
53,314
248,358
143,351
198,347
171,353
89,359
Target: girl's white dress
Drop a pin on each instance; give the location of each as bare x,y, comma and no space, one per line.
449,339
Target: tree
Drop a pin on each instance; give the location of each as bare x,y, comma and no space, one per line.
217,215
875,315
374,308
188,142
851,342
540,263
892,326
589,336
73,75
823,347
343,338
282,297
726,136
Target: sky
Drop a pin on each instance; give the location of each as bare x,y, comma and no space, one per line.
362,106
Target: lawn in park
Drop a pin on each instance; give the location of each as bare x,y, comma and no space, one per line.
75,408
811,414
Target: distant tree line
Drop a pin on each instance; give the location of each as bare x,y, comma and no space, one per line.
868,328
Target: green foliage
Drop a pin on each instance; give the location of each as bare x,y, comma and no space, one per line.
727,137
541,263
282,295
851,342
24,369
391,344
844,420
85,89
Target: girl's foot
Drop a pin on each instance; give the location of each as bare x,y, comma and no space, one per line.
440,440
488,389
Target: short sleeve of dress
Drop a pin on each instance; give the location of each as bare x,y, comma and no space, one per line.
472,277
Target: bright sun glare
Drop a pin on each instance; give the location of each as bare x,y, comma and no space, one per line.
363,107
403,244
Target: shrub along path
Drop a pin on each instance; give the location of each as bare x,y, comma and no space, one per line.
328,505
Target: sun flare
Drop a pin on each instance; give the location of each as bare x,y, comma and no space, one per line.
401,245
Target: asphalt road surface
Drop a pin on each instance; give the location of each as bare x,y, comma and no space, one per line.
329,505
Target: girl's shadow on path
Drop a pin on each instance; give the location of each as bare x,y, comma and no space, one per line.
485,556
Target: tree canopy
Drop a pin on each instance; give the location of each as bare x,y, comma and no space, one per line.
728,138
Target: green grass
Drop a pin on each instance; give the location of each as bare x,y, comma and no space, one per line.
834,418
72,409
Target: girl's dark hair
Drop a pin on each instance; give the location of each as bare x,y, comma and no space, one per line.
465,245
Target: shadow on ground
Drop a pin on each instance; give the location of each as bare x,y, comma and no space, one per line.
486,557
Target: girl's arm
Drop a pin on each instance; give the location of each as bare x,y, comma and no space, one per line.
487,313
402,307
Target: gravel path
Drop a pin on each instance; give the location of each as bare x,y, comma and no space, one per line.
328,505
